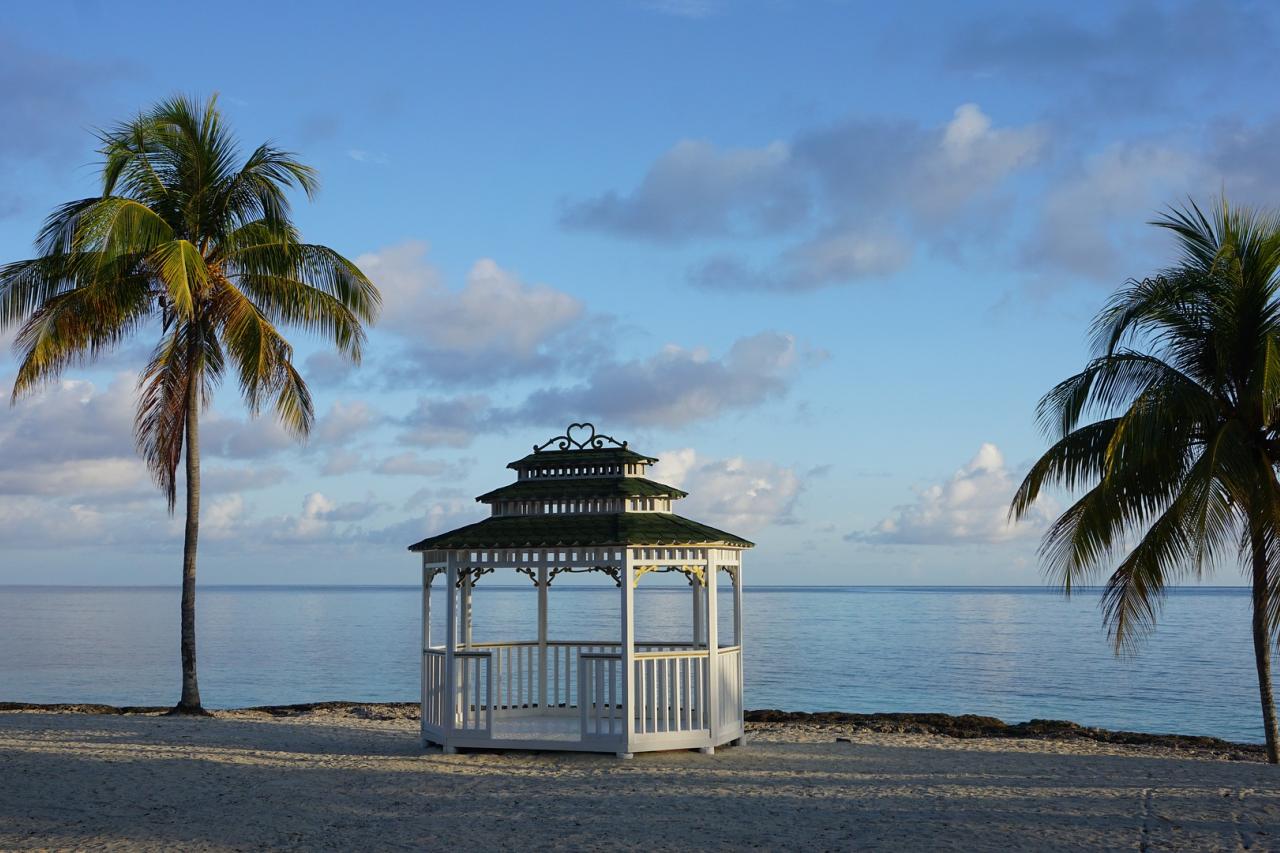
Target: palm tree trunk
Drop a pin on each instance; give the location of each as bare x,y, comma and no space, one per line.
1262,647
190,702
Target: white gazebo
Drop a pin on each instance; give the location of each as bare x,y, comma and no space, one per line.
581,503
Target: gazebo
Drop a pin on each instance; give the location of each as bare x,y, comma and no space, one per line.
581,503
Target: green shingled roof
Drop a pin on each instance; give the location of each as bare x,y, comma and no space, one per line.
581,457
574,530
581,487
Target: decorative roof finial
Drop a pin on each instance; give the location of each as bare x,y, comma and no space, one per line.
577,437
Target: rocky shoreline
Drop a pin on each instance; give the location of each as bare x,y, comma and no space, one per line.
963,726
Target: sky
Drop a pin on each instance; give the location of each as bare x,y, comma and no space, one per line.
822,258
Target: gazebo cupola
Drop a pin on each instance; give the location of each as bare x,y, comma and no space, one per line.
582,502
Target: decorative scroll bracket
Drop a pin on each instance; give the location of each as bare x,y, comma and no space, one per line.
694,574
475,572
581,436
611,571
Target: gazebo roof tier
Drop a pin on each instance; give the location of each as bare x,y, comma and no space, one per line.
580,530
580,457
585,487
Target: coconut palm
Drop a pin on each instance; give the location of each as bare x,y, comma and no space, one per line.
195,244
1172,433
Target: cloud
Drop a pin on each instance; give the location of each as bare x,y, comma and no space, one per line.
837,257
737,494
930,174
447,421
971,507
72,440
27,522
344,421
496,327
674,387
241,479
1133,58
1091,220
862,194
438,517
339,460
413,465
697,190
47,99
250,438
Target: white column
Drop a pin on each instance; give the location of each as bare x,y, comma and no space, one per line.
713,654
426,643
628,611
742,653
542,636
697,610
451,646
466,611
737,604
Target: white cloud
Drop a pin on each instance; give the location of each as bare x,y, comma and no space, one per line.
930,174
71,440
344,421
495,327
866,191
251,438
737,494
696,189
971,507
413,465
27,522
1093,219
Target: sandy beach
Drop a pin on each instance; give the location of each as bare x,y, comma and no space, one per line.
354,778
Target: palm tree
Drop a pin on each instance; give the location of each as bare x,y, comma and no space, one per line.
1172,432
192,242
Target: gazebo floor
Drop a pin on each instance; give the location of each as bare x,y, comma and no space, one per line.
557,727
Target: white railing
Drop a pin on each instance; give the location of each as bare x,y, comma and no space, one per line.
670,691
473,681
671,687
517,668
600,693
729,673
434,694
515,675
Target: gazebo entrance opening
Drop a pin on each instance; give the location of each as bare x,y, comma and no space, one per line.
583,507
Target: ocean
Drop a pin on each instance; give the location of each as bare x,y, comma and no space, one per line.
1015,653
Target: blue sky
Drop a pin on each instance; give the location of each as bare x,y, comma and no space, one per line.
821,258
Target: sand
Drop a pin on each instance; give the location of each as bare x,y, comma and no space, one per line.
355,778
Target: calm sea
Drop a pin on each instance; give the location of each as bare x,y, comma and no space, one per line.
1014,653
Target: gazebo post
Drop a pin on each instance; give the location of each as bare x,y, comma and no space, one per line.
737,641
451,646
713,655
427,577
542,636
697,610
466,610
628,611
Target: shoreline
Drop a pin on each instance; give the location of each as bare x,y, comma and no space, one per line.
959,727
341,776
